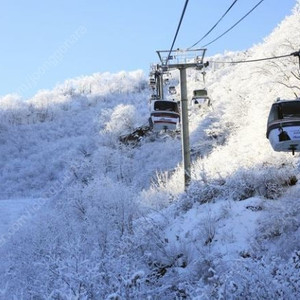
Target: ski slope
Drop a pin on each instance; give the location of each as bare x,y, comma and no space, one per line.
14,214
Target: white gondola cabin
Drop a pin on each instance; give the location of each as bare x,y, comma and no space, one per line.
164,115
153,97
172,90
283,129
200,98
152,82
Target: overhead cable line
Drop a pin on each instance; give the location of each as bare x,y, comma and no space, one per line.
259,59
234,24
226,12
178,27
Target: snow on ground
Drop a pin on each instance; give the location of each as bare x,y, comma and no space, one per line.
228,226
16,213
10,211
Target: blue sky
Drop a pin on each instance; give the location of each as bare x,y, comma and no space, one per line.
47,42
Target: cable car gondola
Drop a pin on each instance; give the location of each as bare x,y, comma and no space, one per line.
152,82
200,97
164,115
283,129
153,97
172,90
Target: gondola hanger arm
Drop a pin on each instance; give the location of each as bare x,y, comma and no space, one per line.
297,53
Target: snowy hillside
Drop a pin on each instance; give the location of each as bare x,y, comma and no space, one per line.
85,216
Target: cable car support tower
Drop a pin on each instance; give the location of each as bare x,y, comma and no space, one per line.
182,60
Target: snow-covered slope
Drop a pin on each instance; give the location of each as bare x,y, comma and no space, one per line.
112,221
